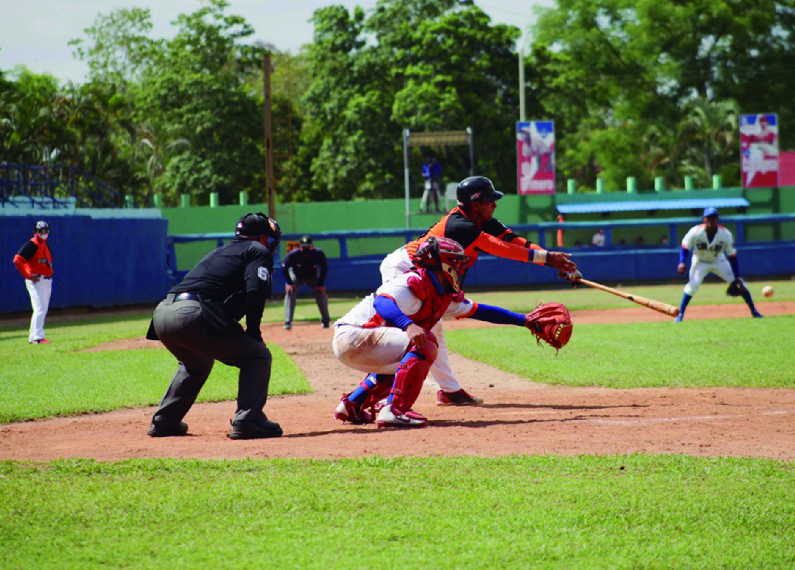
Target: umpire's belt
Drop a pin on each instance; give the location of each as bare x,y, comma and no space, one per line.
187,296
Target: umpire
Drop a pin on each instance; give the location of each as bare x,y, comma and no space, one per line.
306,264
198,323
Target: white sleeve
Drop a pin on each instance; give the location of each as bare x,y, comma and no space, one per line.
398,290
461,309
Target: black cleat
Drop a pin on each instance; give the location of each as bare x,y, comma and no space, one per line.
255,430
162,430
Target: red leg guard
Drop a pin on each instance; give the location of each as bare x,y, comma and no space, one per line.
378,392
411,374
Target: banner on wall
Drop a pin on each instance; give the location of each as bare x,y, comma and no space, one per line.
759,150
535,157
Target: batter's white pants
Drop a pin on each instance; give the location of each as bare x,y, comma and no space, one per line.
376,350
700,269
395,264
39,292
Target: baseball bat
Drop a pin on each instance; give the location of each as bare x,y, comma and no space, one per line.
653,304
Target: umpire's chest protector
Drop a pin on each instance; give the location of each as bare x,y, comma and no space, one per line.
434,304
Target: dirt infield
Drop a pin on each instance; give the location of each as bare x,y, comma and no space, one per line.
518,417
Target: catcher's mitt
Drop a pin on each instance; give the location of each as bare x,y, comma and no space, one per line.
550,322
735,288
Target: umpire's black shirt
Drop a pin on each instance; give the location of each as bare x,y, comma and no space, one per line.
237,275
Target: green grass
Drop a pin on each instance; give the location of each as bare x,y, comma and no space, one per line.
55,379
721,352
512,512
576,298
580,298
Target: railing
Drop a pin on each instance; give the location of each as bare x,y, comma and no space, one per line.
611,262
539,230
57,186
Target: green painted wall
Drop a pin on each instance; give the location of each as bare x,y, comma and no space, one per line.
312,217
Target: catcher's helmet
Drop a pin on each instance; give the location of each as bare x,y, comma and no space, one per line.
445,255
41,227
261,227
305,240
476,188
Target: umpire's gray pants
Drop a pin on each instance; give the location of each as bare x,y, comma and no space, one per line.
196,346
321,298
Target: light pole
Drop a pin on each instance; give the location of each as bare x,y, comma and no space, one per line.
522,108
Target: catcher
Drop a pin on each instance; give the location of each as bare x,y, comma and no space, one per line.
388,334
473,225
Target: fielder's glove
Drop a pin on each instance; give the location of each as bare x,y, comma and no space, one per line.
735,288
550,322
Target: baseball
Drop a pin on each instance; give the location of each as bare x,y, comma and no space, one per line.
767,291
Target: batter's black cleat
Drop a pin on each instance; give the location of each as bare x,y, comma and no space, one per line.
158,429
259,429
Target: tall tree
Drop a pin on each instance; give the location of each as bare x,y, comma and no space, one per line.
193,86
421,64
613,69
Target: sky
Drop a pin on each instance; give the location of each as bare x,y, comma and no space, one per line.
35,33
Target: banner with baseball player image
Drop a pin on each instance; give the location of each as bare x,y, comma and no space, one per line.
535,157
759,150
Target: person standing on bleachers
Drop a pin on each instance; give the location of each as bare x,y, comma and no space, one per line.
432,174
34,263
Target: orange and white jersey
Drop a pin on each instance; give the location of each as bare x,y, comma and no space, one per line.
706,251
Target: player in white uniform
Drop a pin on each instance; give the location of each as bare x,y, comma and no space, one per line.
713,251
389,334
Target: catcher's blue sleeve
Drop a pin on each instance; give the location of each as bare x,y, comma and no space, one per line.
389,310
735,266
497,315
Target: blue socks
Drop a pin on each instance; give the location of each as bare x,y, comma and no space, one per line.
683,305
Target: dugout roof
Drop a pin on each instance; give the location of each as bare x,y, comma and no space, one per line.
646,205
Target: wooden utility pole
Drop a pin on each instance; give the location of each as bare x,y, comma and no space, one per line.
270,189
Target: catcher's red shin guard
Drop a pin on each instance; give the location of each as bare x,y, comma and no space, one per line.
377,393
411,374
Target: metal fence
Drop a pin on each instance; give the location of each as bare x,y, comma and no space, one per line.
54,186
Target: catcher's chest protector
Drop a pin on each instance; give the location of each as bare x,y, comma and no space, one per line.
434,305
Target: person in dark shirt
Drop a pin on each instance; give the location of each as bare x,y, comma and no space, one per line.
307,265
432,175
198,323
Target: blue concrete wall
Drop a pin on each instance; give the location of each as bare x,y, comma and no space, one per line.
98,262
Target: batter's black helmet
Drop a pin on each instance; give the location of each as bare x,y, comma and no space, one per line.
305,240
259,225
476,188
41,227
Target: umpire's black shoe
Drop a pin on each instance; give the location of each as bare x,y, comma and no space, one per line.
166,430
255,430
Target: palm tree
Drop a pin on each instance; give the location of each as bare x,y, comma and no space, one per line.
708,132
161,151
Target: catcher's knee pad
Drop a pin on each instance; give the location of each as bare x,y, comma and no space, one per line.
428,350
